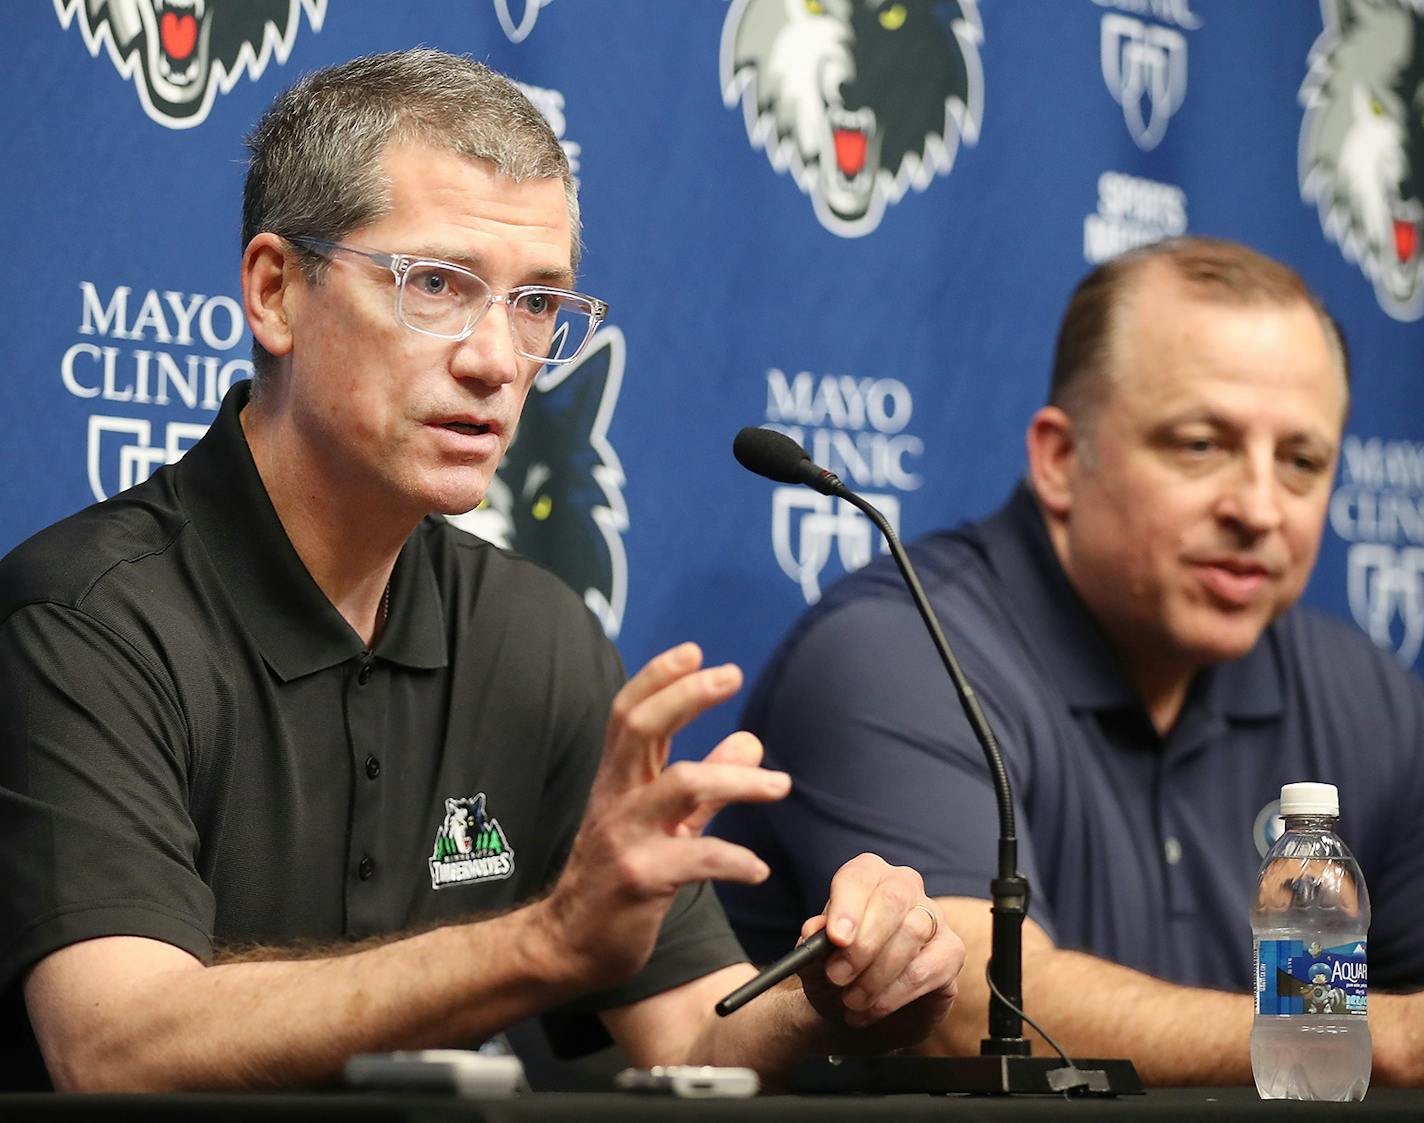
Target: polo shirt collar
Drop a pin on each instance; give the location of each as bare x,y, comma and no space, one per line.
296,627
1054,622
1250,687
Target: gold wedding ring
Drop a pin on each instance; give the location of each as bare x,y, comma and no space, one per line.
934,920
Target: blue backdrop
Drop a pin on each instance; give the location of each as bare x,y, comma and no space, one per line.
857,221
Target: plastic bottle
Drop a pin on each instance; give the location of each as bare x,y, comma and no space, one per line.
1310,916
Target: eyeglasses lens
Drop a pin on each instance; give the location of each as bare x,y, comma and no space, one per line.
443,301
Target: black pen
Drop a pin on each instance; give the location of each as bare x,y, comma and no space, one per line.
817,947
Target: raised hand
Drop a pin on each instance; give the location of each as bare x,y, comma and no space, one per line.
641,836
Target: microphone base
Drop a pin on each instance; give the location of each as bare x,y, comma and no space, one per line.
988,1076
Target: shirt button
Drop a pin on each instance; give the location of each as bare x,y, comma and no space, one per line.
365,674
1172,849
373,767
366,869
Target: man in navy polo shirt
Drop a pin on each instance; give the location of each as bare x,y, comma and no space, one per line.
1126,620
291,770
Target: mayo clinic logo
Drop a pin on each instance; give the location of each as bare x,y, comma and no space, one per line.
180,54
122,450
856,427
161,350
1145,63
1385,583
517,29
1379,509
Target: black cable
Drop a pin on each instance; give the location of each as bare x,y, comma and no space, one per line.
1042,1032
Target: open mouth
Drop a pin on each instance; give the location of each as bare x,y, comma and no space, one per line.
179,28
850,138
1400,271
1406,239
467,427
1236,583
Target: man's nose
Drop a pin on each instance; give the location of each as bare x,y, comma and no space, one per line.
487,353
1252,496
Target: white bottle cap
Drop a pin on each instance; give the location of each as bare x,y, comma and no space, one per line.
1310,799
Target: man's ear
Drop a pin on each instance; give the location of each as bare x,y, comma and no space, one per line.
267,282
1053,456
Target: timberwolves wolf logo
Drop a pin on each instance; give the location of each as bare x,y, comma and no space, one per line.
1362,142
181,53
859,99
469,846
558,496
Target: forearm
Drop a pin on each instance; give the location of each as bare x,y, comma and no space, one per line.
1397,1029
771,1035
1173,1034
279,1023
679,1026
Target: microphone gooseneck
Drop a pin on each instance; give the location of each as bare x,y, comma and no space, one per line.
1004,1065
777,457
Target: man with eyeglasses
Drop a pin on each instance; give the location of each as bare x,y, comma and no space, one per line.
291,770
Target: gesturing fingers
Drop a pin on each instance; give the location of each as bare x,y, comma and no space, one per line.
657,673
662,698
689,793
737,748
741,748
677,861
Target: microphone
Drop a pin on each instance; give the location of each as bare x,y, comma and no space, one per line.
777,457
1004,1064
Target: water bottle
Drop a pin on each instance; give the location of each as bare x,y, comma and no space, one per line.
1311,1036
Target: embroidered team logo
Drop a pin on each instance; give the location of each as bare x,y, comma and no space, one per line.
558,496
469,846
180,54
1361,158
1268,827
859,100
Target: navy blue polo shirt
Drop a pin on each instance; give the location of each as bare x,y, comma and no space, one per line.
1139,848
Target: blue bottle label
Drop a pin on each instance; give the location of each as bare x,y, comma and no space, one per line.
1295,977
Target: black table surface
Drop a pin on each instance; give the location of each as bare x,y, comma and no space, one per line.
1159,1105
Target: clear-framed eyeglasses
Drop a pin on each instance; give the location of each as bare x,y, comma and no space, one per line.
445,300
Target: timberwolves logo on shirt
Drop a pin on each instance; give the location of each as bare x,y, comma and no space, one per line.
858,99
1268,827
181,53
1362,143
558,495
469,846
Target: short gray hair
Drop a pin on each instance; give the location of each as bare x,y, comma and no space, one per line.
315,167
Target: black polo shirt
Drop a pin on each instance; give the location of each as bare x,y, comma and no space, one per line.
195,746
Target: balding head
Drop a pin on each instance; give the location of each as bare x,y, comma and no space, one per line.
1212,270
